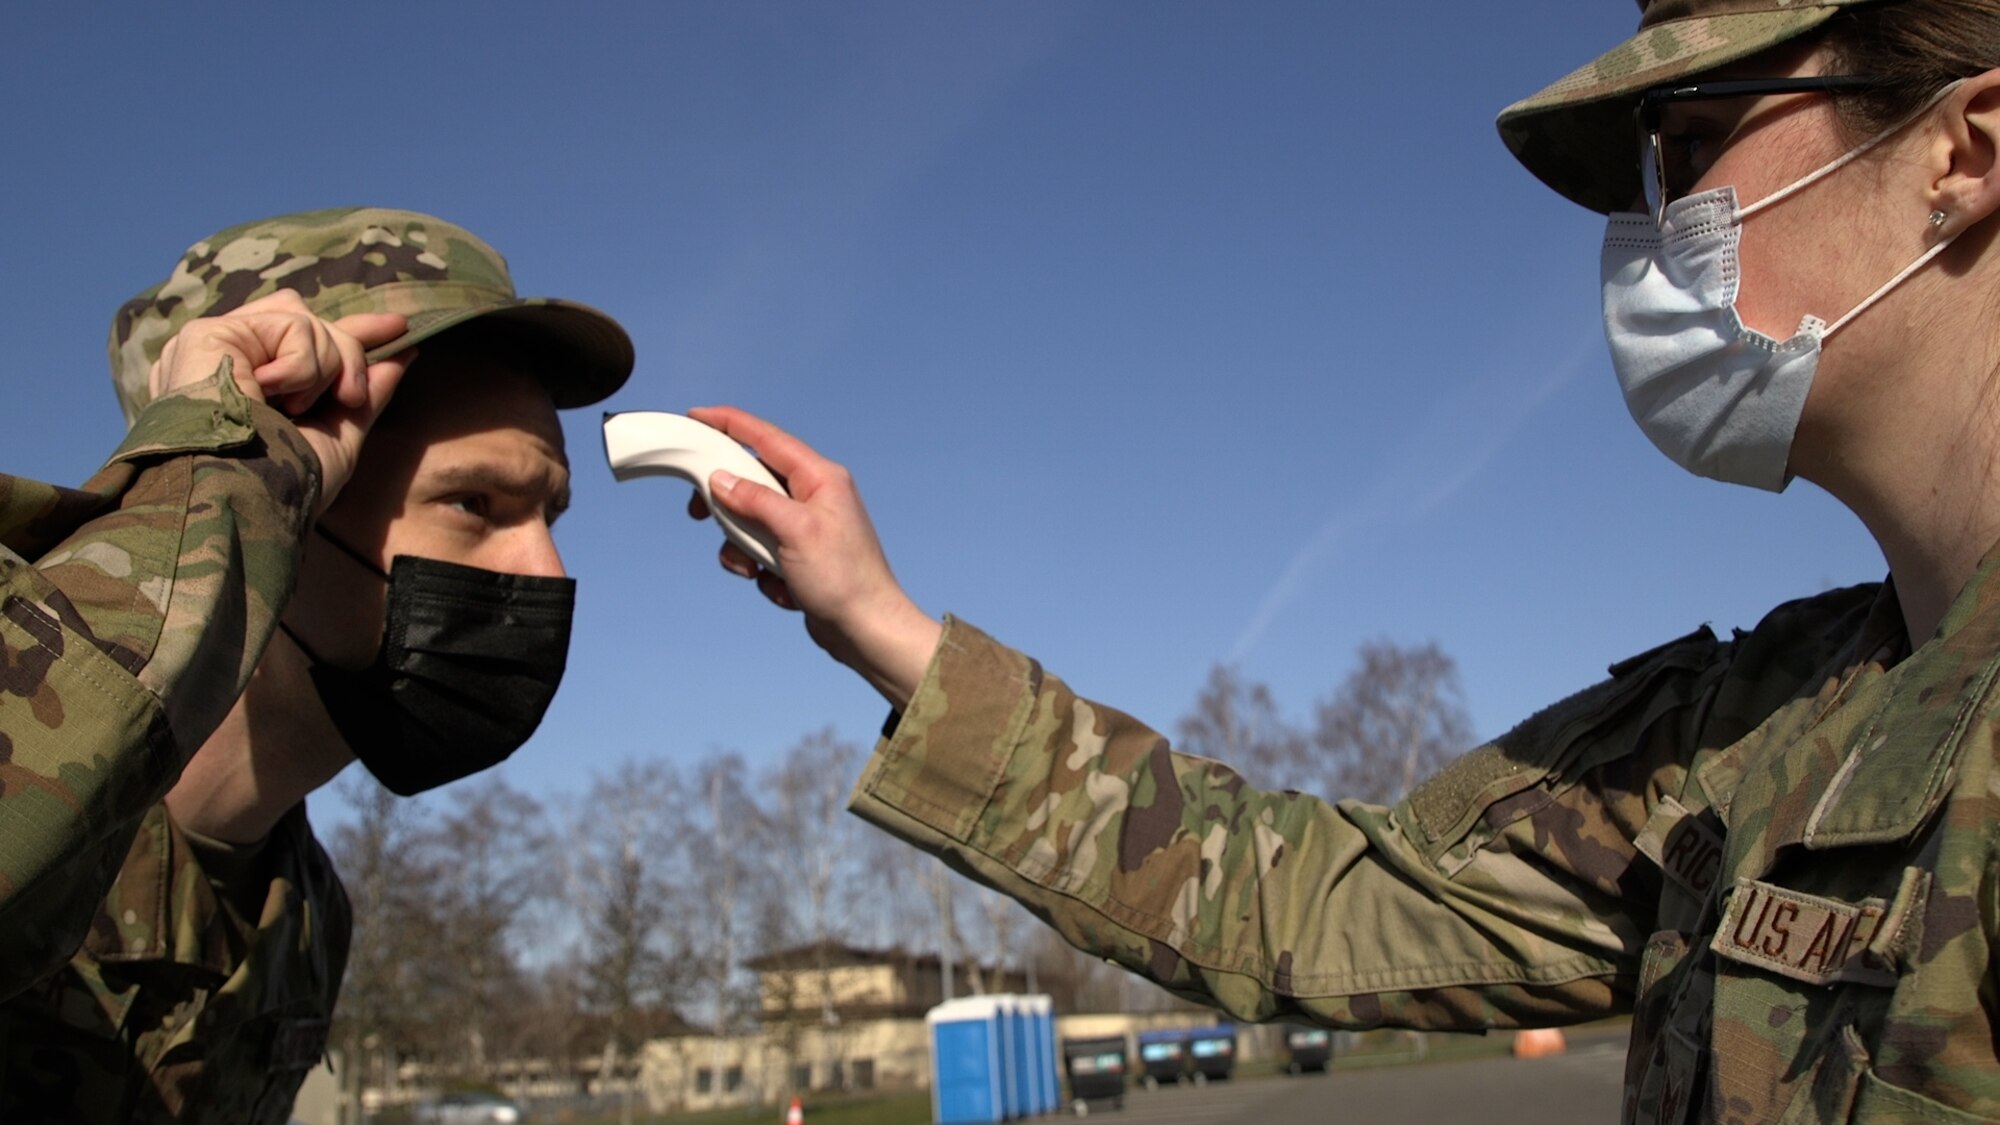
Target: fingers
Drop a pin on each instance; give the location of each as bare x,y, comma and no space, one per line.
373,329
736,561
359,334
798,463
283,347
313,370
383,377
281,352
306,358
314,357
336,431
774,588
787,518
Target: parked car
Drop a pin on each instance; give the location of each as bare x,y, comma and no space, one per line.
468,1108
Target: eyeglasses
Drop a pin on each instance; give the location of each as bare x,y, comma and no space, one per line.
1666,172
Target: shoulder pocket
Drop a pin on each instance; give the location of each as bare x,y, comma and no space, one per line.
1556,744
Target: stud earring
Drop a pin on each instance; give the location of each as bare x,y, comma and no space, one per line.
1937,223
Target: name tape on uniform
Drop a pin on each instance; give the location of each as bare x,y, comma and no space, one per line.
1686,848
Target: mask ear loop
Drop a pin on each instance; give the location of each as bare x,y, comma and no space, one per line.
1871,298
312,656
348,549
1844,160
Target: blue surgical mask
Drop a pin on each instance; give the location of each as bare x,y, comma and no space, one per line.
1722,400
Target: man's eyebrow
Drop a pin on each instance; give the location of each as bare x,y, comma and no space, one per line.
493,479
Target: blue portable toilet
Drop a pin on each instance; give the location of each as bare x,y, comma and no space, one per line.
1044,1036
1026,1075
1010,1057
968,1061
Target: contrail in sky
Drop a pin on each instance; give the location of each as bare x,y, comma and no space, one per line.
1423,479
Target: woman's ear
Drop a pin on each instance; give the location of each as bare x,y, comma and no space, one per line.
1965,156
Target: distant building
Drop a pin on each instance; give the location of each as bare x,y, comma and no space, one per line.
833,1017
804,982
838,1017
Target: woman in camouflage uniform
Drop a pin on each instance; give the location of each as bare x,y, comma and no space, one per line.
1777,850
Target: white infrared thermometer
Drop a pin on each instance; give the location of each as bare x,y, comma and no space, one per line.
653,443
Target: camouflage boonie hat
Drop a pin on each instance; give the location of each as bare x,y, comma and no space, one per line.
1579,135
369,259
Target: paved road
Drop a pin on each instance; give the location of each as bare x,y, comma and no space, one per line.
1580,1087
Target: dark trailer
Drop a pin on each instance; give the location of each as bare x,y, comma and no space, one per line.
1163,1056
1096,1070
1308,1049
1212,1051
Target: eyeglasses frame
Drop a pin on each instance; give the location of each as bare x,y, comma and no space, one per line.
1652,163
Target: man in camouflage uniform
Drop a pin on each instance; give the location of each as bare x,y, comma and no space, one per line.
1776,850
136,606
204,985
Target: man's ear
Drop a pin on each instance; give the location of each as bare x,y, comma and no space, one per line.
1965,155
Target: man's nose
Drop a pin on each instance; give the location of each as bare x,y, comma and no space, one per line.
531,550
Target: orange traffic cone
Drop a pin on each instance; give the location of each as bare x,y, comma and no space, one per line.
1539,1042
797,1114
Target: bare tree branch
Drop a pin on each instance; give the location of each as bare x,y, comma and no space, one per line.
1398,717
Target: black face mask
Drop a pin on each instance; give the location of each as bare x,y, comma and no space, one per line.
470,660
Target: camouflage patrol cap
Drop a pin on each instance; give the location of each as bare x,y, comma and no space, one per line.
369,259
1579,137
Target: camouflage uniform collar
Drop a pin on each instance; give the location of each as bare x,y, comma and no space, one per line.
1932,698
164,907
1579,136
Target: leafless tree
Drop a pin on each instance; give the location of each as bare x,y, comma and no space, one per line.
946,890
805,801
807,809
493,841
727,862
1397,718
386,1008
890,882
549,1017
1238,724
914,901
626,851
1003,915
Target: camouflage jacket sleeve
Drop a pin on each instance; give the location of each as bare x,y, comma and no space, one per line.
1506,891
203,992
131,613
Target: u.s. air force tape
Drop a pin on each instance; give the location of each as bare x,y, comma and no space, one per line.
1816,939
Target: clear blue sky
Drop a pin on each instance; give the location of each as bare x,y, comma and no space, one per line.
1158,334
